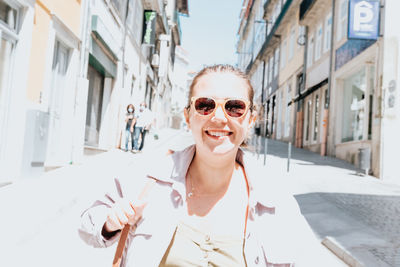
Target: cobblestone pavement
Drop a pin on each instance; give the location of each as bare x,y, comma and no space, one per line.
361,213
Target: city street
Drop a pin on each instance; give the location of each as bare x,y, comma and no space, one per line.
358,216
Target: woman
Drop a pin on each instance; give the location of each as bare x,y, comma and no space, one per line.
210,206
130,124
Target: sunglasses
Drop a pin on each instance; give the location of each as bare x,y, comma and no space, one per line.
235,108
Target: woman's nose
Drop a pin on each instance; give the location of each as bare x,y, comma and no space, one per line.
219,114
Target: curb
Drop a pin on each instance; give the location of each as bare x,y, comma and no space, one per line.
341,252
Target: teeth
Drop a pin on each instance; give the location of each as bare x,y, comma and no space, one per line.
218,134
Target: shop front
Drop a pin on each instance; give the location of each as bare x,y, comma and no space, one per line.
354,121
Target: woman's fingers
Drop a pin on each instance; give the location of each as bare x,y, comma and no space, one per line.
120,213
128,211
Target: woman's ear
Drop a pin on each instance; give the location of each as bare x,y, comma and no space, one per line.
253,118
186,114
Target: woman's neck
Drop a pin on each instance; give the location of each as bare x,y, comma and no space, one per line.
212,174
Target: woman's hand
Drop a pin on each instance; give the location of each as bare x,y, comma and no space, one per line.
123,212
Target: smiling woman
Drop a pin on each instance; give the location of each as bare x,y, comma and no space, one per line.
210,205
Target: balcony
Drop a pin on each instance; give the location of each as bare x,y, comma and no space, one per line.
305,6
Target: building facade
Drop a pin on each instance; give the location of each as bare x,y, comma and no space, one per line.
323,87
77,65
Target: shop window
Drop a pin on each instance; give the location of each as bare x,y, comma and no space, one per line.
288,110
308,120
354,107
316,117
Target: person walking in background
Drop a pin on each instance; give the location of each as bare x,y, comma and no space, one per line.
210,204
144,119
130,125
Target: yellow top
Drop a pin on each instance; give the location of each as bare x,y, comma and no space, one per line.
190,247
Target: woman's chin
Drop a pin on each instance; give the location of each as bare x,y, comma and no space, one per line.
223,148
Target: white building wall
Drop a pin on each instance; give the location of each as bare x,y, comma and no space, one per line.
391,91
12,145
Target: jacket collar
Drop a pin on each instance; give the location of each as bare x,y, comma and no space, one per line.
172,170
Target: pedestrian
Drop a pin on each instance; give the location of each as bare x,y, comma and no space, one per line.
144,119
130,121
210,205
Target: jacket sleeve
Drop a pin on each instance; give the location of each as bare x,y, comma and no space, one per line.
92,221
94,217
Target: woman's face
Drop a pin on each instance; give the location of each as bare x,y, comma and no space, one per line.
218,133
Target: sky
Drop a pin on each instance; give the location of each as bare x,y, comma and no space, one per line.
209,34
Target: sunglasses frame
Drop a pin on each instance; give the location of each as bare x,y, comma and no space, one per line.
222,104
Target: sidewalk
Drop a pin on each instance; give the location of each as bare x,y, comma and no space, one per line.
40,217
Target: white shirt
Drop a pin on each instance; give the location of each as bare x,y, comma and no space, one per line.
144,118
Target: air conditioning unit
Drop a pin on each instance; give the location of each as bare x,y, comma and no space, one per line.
155,61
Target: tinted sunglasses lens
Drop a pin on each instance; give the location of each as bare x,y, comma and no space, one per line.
204,105
235,108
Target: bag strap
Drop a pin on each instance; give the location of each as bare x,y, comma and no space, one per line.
127,228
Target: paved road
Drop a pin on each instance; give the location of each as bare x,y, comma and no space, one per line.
361,214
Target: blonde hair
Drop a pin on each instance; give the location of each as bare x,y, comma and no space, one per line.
222,68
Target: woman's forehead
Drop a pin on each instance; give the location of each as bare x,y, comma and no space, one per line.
221,85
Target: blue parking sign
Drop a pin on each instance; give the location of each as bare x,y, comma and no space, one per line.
364,19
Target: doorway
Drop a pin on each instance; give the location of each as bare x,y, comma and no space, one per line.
94,107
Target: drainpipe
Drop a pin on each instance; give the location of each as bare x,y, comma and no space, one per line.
325,130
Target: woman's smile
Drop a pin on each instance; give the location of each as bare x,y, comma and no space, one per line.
218,134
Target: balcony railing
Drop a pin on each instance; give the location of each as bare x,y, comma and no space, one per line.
305,6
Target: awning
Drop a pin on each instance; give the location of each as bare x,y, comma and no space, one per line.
308,92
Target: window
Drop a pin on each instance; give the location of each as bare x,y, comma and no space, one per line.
120,6
354,103
342,22
288,110
316,117
301,32
283,54
328,32
318,42
266,81
9,23
292,42
310,54
135,19
9,15
276,64
271,66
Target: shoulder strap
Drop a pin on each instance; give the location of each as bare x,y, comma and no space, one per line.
124,234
